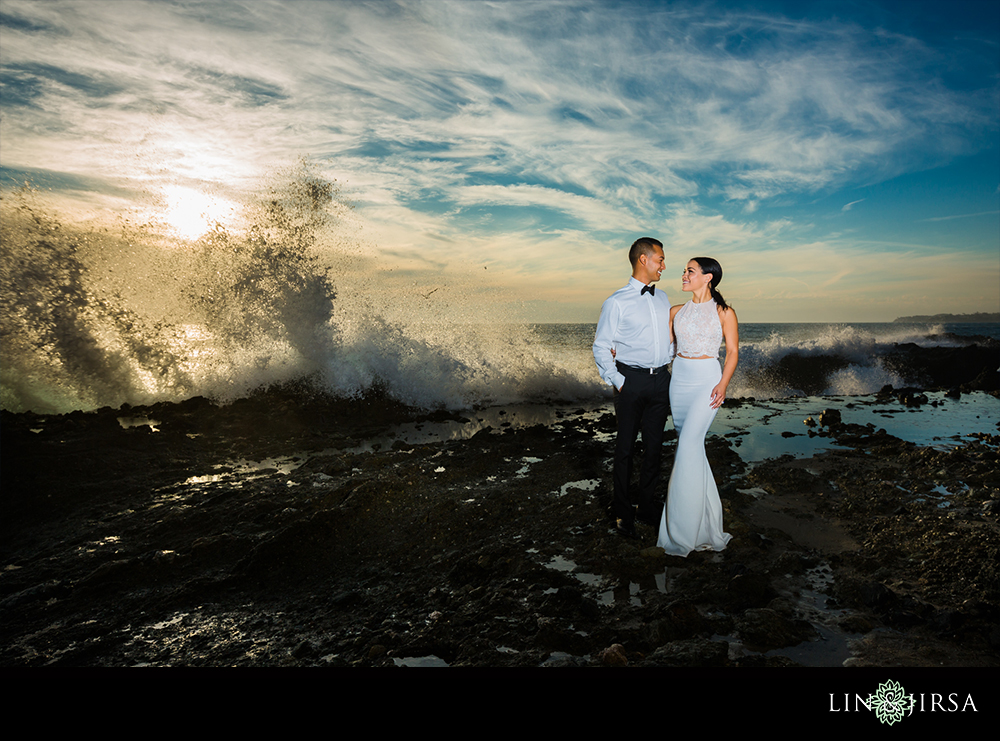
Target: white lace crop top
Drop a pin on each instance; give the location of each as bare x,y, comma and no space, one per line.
698,329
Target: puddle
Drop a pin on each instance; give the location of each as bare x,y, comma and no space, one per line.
431,660
623,593
832,648
523,470
771,428
584,485
766,428
469,423
939,494
248,470
560,563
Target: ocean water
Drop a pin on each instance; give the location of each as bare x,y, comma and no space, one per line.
833,359
94,316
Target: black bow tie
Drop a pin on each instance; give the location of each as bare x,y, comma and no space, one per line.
650,289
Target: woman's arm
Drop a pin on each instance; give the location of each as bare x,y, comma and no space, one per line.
731,333
673,312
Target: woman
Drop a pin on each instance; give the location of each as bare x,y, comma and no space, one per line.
692,516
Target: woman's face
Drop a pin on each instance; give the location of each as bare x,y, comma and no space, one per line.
692,279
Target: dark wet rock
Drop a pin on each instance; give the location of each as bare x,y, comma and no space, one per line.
856,623
569,602
912,399
749,590
768,629
129,546
613,656
808,373
868,594
967,363
830,418
556,635
694,652
737,402
971,367
345,599
764,662
46,591
563,661
676,622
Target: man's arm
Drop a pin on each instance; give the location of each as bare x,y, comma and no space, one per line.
604,342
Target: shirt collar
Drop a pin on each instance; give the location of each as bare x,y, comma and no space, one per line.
636,283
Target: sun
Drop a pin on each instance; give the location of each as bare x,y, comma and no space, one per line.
191,213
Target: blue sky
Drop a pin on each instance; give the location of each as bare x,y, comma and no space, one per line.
841,160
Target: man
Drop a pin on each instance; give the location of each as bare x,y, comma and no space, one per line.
632,348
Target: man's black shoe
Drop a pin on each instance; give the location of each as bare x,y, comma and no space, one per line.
648,519
627,530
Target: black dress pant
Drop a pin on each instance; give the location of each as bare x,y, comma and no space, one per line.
642,404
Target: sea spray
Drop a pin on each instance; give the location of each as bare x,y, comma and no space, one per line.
786,360
65,345
262,294
101,315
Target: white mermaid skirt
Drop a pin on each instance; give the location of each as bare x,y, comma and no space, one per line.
692,516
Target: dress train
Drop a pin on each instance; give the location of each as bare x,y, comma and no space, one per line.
692,516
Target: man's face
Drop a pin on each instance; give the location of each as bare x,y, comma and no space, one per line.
652,265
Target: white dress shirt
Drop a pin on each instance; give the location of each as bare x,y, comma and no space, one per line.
637,326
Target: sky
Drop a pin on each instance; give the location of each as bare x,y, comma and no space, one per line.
840,159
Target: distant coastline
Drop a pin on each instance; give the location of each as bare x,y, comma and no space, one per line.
980,317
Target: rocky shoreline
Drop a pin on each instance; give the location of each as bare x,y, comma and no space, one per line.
272,532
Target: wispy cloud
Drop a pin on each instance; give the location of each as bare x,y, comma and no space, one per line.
962,216
511,122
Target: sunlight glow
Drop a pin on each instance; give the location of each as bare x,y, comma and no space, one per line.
192,213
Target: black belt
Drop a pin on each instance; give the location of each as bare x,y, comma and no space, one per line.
622,368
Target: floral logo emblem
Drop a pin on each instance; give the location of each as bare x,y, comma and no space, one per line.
890,702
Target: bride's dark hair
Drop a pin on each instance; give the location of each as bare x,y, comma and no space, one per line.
709,265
